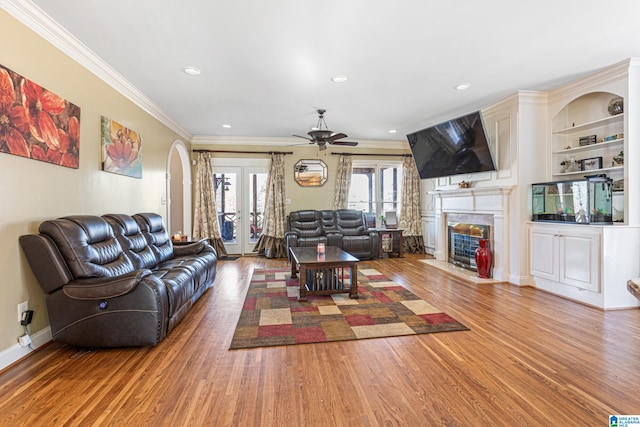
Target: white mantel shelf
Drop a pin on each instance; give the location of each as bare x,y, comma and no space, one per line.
471,192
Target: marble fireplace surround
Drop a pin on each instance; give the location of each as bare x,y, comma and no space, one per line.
475,205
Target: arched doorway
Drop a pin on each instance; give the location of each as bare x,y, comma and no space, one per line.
179,189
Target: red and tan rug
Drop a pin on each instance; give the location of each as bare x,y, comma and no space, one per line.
272,315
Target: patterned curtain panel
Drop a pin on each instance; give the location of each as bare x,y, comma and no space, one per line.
205,217
410,213
343,182
271,243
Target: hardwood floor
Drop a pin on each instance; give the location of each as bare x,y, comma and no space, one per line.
529,359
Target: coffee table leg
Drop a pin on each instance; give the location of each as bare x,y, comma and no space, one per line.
353,293
302,293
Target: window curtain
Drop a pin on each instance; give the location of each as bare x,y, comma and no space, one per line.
271,243
343,182
410,212
205,217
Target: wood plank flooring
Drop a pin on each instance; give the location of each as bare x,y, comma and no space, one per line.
530,359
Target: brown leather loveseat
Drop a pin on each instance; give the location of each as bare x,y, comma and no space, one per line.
344,228
116,280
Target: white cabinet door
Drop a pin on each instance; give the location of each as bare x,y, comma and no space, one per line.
566,255
579,260
544,253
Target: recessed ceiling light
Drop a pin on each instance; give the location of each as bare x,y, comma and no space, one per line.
226,126
463,86
192,71
392,131
339,79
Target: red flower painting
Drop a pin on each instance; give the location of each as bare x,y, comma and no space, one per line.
121,149
37,123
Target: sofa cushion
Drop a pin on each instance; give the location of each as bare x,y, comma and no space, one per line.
152,227
132,240
351,222
88,246
306,223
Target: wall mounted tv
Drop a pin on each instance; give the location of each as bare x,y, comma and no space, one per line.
458,146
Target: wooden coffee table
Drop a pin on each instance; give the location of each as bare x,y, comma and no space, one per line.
324,274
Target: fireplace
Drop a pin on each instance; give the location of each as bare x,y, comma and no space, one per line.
480,207
463,241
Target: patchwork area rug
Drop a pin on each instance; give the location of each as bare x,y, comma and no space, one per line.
272,315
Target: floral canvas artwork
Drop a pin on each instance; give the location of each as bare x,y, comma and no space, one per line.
121,149
36,123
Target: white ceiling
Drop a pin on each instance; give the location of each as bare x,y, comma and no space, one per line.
266,64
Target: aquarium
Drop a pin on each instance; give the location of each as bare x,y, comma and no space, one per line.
581,201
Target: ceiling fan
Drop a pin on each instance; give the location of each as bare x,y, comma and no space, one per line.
322,136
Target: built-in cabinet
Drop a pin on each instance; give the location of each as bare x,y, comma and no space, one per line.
591,134
567,255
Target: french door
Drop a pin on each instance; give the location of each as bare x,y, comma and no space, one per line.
240,197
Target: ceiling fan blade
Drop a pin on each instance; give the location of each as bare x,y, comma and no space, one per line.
349,143
304,137
336,136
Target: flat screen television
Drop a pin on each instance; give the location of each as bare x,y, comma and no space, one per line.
458,146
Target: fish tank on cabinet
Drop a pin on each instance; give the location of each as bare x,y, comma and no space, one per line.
580,201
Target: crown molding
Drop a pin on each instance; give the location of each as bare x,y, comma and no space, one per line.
42,24
289,141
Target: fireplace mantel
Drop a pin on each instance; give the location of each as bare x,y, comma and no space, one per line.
482,201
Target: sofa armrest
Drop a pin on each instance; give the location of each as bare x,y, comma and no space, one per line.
375,239
104,287
334,239
191,248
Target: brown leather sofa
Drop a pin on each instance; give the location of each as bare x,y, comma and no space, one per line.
116,280
344,228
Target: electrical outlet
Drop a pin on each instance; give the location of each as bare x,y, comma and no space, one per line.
22,307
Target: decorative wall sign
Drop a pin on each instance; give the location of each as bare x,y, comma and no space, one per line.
36,123
121,149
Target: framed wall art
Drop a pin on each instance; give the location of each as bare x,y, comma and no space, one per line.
121,149
37,123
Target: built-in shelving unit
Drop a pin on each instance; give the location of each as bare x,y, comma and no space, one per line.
586,116
591,263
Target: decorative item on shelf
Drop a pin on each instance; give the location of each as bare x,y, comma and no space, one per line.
616,106
618,160
612,137
587,140
590,164
570,165
483,258
618,185
464,184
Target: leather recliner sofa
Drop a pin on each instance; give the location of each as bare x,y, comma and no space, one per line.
343,228
116,280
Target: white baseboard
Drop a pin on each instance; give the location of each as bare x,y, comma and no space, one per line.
16,352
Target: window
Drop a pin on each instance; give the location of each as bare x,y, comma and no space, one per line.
376,187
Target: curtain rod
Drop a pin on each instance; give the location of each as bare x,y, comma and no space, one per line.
242,152
371,154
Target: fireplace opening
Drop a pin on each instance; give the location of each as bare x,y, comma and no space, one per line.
463,241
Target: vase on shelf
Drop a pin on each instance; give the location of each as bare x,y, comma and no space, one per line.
483,258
